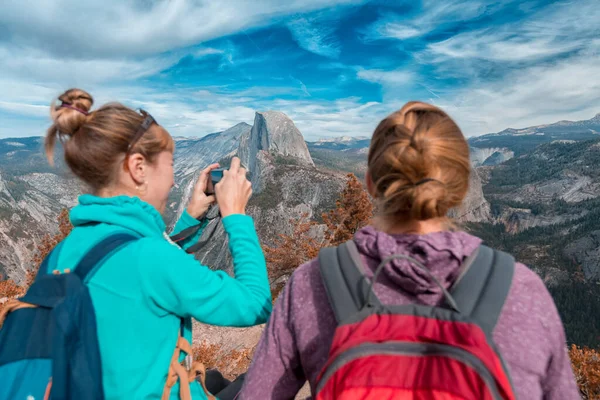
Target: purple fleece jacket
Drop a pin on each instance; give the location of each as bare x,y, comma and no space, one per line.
296,341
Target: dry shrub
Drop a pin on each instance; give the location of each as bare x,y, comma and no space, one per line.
353,211
230,363
586,366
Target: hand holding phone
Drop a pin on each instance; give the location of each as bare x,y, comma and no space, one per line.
233,189
215,177
201,198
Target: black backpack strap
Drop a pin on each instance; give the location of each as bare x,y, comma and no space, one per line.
483,286
100,251
344,279
186,233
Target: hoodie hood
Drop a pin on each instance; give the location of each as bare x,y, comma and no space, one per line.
127,212
441,252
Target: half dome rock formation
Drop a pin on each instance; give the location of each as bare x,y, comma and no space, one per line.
275,133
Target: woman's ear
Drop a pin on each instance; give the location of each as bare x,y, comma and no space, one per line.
370,184
136,166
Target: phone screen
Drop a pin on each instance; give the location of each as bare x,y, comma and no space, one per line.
215,176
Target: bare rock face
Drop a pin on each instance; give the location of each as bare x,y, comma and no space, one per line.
474,208
586,253
490,155
285,184
275,133
520,219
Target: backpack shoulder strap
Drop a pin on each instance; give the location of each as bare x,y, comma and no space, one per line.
344,279
99,252
482,288
50,258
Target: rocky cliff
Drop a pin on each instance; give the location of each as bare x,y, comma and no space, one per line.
285,182
275,133
490,155
31,196
475,207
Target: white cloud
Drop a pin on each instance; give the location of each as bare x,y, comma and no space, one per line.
434,14
499,47
109,48
116,28
565,90
24,109
555,30
37,65
539,70
197,113
391,78
315,37
344,117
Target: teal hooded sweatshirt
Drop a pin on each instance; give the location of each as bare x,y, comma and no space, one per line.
142,290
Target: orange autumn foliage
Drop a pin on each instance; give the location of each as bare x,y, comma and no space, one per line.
586,366
290,251
231,364
8,288
353,211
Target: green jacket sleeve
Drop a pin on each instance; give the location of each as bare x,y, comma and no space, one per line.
187,221
175,282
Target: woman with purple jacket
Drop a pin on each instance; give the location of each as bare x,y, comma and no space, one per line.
418,169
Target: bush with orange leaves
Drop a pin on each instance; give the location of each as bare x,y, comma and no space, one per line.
231,364
289,252
586,366
353,211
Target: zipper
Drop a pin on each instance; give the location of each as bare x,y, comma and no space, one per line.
412,349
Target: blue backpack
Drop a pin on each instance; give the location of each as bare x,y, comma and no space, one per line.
48,340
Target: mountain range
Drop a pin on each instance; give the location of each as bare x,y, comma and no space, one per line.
533,192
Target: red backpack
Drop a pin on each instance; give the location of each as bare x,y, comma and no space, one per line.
415,352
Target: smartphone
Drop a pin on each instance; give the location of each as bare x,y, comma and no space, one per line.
215,176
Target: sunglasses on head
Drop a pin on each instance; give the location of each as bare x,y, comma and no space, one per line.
146,123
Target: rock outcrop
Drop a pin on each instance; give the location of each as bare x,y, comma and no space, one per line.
275,133
474,208
585,252
285,184
490,155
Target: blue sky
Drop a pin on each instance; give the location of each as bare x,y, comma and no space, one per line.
336,67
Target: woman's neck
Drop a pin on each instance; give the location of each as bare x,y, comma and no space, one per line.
410,226
116,190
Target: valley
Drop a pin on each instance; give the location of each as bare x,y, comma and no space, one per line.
534,192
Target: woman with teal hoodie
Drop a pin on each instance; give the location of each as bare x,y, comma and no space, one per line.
143,290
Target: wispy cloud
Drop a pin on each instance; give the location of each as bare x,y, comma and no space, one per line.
531,70
434,13
116,28
314,37
568,89
392,78
555,30
348,116
335,66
